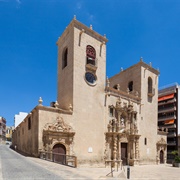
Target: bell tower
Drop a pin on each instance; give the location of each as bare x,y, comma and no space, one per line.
81,84
81,61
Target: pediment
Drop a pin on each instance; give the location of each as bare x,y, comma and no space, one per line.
58,126
161,141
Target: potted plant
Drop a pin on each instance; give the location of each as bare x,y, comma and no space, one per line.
176,162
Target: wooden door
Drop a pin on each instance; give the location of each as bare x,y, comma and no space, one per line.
59,151
161,157
124,153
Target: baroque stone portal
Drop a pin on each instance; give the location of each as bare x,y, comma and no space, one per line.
122,139
58,132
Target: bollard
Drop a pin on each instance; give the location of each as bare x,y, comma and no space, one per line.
128,172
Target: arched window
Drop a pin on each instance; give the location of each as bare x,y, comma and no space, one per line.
111,111
130,86
149,85
145,141
29,123
90,55
115,86
64,58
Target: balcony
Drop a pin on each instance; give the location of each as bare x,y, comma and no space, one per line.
171,143
166,118
166,102
171,134
91,64
170,126
164,110
152,93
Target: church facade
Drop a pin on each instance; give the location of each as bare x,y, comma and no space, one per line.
96,119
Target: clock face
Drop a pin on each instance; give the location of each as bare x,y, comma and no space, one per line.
90,78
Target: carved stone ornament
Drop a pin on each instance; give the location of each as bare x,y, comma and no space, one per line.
162,142
58,126
118,103
58,132
122,129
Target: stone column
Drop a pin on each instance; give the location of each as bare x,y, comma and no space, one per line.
115,148
158,155
137,149
109,149
119,148
133,149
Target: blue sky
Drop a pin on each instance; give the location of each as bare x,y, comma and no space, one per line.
29,30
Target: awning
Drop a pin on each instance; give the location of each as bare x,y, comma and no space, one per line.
169,121
169,96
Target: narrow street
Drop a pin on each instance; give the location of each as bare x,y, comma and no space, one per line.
16,166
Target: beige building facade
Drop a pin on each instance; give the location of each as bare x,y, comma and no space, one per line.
98,120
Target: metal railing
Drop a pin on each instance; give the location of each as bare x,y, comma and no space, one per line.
173,143
63,159
115,166
163,118
169,126
167,109
171,134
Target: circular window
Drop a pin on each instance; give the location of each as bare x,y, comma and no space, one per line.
90,78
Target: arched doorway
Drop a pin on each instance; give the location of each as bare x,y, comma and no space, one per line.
161,157
59,152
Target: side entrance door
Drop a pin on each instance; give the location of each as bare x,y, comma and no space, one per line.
124,153
161,157
59,152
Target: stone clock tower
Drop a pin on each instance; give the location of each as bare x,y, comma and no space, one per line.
81,84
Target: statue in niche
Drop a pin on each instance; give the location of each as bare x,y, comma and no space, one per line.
135,124
118,103
122,122
122,127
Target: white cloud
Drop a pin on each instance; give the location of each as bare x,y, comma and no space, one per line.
79,5
18,1
91,17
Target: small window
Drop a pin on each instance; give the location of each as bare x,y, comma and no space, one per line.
115,86
145,141
130,86
29,123
64,58
90,55
149,85
111,112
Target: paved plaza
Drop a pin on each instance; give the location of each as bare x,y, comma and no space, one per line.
15,166
142,172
